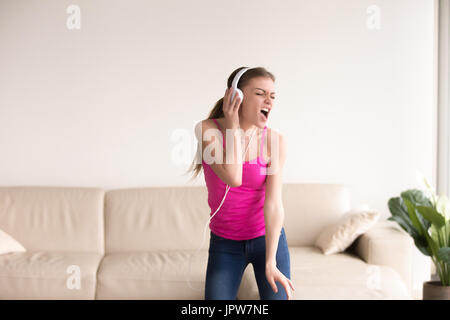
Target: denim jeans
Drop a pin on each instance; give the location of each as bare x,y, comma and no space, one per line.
228,259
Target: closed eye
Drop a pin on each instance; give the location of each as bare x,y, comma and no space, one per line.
260,94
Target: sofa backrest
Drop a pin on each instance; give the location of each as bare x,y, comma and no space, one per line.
156,218
54,218
173,218
310,207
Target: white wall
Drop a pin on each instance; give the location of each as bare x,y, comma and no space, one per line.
98,106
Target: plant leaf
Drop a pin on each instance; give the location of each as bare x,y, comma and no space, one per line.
432,246
421,244
434,233
444,254
405,226
432,216
400,215
412,215
410,219
416,197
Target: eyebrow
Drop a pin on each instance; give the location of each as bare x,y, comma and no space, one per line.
263,90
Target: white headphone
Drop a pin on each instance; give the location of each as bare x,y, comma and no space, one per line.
235,83
236,90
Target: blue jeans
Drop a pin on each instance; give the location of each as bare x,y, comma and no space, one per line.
228,259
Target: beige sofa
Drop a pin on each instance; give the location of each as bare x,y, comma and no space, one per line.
136,244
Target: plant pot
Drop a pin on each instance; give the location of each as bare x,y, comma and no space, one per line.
434,290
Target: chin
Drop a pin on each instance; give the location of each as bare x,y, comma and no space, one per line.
260,123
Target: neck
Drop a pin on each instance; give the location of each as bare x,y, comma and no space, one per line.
246,126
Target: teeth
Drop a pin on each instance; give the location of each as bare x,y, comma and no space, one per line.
265,109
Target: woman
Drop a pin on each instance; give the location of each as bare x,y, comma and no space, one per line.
248,227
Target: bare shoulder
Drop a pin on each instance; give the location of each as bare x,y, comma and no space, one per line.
276,147
203,126
275,137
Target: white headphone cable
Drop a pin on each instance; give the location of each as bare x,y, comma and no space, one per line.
207,223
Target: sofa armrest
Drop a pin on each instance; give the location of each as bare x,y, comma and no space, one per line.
387,244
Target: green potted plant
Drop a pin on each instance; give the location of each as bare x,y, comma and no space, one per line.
426,218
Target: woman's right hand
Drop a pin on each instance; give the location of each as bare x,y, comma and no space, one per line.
231,109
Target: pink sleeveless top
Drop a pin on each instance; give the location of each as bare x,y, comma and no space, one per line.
241,216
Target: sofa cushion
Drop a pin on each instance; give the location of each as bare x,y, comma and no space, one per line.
48,275
338,276
152,275
54,218
163,275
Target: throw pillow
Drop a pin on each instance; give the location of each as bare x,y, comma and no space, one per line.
338,237
8,244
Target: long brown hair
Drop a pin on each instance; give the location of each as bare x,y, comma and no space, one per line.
217,110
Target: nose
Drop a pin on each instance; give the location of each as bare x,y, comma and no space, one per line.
267,95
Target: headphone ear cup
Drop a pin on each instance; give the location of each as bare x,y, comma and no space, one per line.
240,94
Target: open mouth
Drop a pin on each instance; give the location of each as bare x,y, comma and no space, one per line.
265,112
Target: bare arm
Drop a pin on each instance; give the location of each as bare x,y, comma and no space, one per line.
226,163
228,170
274,213
273,205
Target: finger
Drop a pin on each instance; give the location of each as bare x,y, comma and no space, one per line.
226,98
237,104
273,285
291,284
233,98
230,95
286,288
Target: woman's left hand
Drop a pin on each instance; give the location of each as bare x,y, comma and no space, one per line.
274,275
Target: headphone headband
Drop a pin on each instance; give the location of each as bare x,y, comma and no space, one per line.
237,77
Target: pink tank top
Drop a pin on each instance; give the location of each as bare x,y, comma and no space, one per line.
241,216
